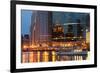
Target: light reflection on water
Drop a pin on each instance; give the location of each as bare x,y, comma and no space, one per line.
45,56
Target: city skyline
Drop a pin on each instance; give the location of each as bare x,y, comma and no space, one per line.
54,36
57,17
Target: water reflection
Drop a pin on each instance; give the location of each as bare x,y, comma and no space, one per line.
47,56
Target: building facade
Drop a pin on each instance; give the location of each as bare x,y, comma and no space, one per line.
41,27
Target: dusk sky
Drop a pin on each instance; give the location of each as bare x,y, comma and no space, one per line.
26,21
61,17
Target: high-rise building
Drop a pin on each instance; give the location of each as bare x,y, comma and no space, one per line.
58,31
25,41
41,27
79,29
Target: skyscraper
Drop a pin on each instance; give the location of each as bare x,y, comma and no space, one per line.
79,28
41,27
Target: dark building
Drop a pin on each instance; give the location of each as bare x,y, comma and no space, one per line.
26,36
79,28
69,31
58,31
25,41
